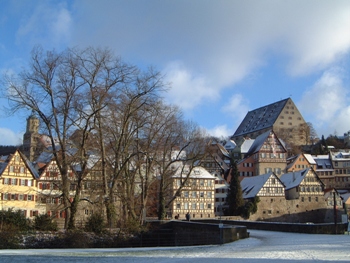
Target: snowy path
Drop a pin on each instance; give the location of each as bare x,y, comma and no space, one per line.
262,246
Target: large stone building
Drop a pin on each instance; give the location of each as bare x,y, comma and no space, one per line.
283,117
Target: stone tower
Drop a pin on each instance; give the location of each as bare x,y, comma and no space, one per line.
31,137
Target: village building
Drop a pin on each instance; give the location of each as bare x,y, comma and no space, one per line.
266,154
18,185
283,117
31,138
197,196
221,190
341,164
300,162
217,161
270,191
324,170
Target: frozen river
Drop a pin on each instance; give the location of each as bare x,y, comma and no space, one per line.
262,246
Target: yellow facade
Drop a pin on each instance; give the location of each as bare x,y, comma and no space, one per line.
18,185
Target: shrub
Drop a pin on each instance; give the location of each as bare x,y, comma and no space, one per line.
95,224
44,223
13,221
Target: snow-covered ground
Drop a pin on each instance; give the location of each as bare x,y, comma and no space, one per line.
262,246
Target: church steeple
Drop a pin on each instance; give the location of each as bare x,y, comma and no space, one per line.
30,138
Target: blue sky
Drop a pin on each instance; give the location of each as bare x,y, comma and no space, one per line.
223,58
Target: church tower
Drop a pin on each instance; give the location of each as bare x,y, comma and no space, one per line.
31,137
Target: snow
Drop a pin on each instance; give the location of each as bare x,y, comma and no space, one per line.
262,246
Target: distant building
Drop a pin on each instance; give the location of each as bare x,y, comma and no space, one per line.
31,137
283,117
324,169
293,197
341,164
266,154
300,162
217,161
221,190
18,185
197,196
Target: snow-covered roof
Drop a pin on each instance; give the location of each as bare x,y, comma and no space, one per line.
258,143
252,185
230,145
323,164
197,172
2,167
309,158
260,118
246,145
293,179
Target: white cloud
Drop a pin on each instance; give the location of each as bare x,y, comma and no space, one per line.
187,91
220,131
48,25
8,137
237,106
327,102
218,43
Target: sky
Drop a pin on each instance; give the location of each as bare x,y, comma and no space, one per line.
222,58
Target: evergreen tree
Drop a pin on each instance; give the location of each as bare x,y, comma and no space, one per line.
234,196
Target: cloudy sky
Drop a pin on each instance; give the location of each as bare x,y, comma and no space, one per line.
222,58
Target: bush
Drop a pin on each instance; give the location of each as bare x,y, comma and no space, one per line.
44,223
95,224
9,240
14,221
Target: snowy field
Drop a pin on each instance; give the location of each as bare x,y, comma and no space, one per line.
262,246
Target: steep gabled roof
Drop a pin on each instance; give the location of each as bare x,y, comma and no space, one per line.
261,118
258,142
30,166
7,159
292,160
293,179
252,185
246,145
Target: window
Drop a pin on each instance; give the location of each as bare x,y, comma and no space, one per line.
21,169
186,194
209,194
209,206
6,180
210,182
194,206
201,206
302,199
178,206
186,206
178,182
194,194
201,194
13,181
201,182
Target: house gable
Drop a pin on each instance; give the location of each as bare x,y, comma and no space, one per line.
262,185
